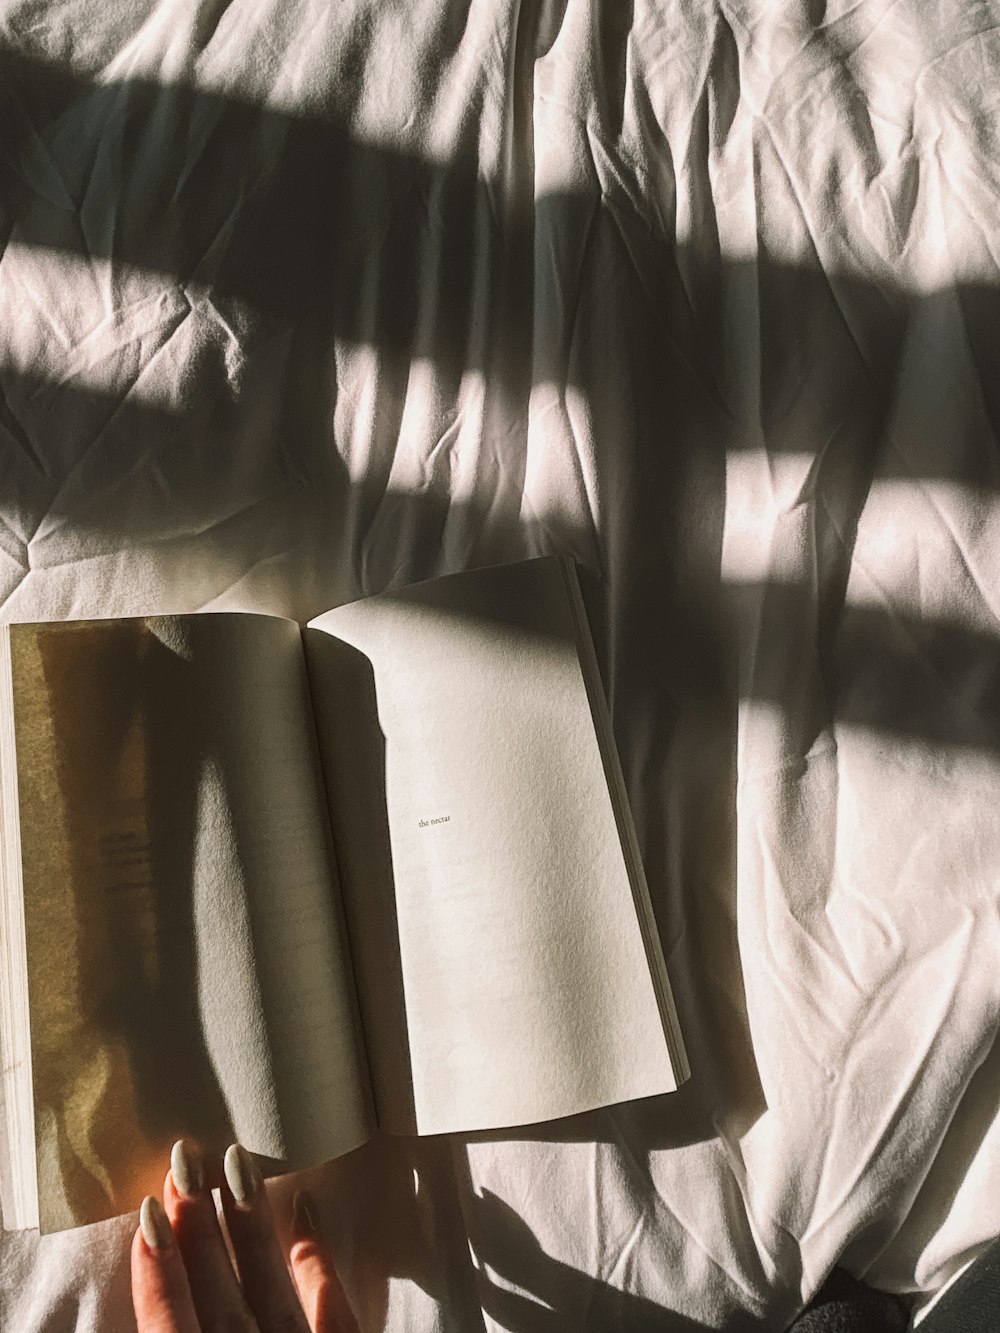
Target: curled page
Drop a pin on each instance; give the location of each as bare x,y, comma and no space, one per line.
505,972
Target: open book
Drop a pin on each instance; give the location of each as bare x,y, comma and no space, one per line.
289,886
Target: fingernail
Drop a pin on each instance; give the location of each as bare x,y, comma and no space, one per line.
242,1175
303,1216
156,1230
187,1168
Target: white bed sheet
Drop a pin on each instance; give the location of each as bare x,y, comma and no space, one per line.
299,301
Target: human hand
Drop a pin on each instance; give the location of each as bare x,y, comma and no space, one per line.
182,1278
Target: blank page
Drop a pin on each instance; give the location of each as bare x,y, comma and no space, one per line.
472,818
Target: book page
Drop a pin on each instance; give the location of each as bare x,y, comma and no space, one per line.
186,968
474,825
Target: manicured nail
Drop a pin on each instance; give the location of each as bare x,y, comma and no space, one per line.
187,1168
242,1175
155,1228
303,1216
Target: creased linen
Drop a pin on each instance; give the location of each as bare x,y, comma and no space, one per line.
299,302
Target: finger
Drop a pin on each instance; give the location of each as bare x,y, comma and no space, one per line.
267,1283
188,1199
319,1286
161,1296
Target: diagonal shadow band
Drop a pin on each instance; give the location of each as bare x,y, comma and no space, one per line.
284,217
889,669
317,241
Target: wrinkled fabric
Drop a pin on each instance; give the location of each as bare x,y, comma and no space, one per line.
301,301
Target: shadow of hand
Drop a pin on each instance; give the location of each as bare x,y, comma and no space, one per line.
552,1296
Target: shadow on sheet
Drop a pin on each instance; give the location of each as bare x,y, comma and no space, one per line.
330,253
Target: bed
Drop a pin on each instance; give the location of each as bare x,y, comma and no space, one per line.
301,301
